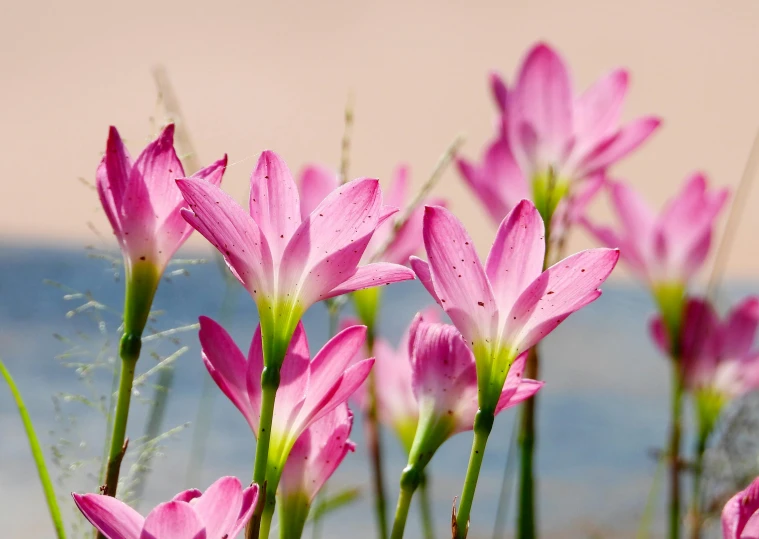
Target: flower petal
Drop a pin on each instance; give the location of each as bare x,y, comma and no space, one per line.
228,368
559,291
615,146
112,517
274,202
249,499
517,389
516,258
457,275
294,383
597,110
156,168
422,271
315,184
739,330
219,507
173,520
187,495
233,232
499,91
739,509
112,178
371,275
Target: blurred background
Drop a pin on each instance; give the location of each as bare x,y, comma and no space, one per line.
255,75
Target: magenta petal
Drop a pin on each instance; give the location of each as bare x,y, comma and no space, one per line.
294,382
371,275
457,275
187,495
173,520
422,271
617,145
315,184
499,91
332,360
559,291
274,201
739,331
219,507
739,510
112,517
598,109
516,258
112,178
157,167
249,499
232,231
228,368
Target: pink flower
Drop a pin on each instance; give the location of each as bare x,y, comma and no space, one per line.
670,248
740,517
313,459
444,380
221,511
286,262
143,206
717,357
506,307
309,389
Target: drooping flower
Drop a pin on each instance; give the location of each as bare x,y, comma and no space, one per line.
221,511
665,251
309,388
740,517
717,359
288,263
509,305
444,380
554,136
313,459
143,206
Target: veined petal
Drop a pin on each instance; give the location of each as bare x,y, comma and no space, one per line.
516,258
614,147
597,110
559,291
422,271
457,275
154,173
113,177
233,232
112,517
371,275
274,202
219,507
334,358
315,184
228,368
739,510
173,520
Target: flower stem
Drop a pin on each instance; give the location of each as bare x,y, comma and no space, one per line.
674,452
425,509
39,457
267,516
697,475
374,444
483,424
401,513
269,386
526,520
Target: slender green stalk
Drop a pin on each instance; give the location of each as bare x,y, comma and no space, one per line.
698,471
267,517
428,529
648,511
483,424
506,485
39,457
401,512
675,433
269,386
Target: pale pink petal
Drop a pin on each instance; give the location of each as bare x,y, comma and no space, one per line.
559,291
187,495
392,373
517,389
422,271
219,507
408,238
614,147
332,360
738,510
228,368
542,99
253,375
316,183
249,499
457,275
369,276
233,232
739,330
112,517
173,520
597,110
294,383
157,167
112,178
516,257
274,202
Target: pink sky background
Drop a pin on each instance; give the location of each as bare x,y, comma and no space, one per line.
255,75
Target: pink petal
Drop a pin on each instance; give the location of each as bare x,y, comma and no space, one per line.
332,360
233,232
112,178
173,520
371,275
739,509
397,195
274,201
739,330
327,247
457,275
422,271
597,110
499,91
615,146
392,372
542,99
228,368
408,238
634,213
517,389
219,507
516,258
315,184
294,383
249,499
187,495
112,517
561,290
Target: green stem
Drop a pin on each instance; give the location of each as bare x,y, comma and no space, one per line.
649,510
269,386
483,424
674,452
267,516
129,350
401,512
374,444
526,518
425,508
697,475
39,457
